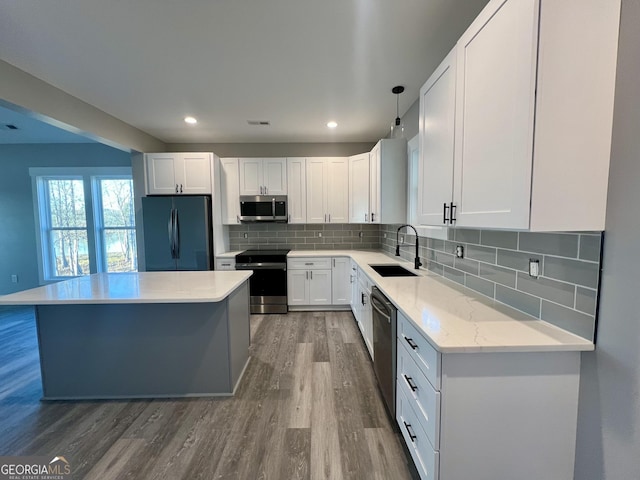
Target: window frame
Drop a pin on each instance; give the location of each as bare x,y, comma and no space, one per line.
42,213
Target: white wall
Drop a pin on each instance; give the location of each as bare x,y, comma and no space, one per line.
18,254
608,446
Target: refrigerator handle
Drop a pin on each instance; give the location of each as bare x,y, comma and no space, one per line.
176,234
170,232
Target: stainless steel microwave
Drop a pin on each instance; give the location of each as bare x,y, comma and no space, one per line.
263,208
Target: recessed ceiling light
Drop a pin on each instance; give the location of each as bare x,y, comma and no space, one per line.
332,124
190,120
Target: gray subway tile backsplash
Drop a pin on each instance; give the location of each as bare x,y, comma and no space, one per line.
559,292
496,274
568,319
496,265
498,238
574,271
561,244
590,247
522,301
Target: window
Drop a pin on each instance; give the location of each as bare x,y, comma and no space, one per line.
86,221
115,224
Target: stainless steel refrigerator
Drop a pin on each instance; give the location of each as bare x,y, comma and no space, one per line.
177,233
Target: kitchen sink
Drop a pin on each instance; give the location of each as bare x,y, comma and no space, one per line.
392,271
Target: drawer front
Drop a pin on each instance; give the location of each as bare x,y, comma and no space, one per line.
308,263
426,400
426,357
362,278
225,264
424,457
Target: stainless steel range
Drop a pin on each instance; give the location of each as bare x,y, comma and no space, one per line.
268,284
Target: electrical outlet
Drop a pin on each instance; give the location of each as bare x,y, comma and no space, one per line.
14,278
460,251
401,239
361,234
384,235
534,268
246,235
319,234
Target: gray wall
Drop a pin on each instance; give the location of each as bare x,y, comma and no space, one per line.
18,254
608,445
274,149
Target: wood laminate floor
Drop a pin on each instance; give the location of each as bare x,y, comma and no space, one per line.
307,407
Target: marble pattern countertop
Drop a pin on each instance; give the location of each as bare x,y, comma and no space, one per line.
144,287
454,318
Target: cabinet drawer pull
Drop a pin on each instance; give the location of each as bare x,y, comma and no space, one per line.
412,385
444,215
412,436
411,343
453,213
308,263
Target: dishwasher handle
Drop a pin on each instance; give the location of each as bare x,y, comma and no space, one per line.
383,312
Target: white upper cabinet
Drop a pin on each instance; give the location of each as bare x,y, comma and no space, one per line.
388,181
297,190
263,176
533,116
359,188
436,139
229,191
178,173
327,190
496,67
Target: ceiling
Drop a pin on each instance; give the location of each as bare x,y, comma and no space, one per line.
294,63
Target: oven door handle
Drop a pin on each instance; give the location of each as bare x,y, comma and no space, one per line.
261,266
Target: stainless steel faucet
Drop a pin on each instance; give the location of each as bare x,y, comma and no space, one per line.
416,261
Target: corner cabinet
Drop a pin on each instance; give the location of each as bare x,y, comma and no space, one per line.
529,148
229,191
378,184
327,190
178,173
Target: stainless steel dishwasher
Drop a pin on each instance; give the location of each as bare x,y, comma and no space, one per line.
384,347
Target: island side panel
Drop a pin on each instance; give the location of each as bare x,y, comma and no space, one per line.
239,328
134,350
509,415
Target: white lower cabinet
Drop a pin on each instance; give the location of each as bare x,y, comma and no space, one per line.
486,415
425,458
340,281
309,281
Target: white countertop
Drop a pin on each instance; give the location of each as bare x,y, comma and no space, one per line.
143,287
455,319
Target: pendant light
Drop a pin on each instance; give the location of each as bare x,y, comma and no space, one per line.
397,127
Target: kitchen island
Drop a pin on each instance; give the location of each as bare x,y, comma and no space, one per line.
141,335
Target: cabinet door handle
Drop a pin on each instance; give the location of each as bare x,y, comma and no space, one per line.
412,435
176,188
325,218
366,217
444,216
311,274
350,278
289,217
452,209
329,218
306,275
180,188
266,190
373,217
334,262
411,343
238,218
412,385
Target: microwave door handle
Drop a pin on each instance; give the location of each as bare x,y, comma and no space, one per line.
273,207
